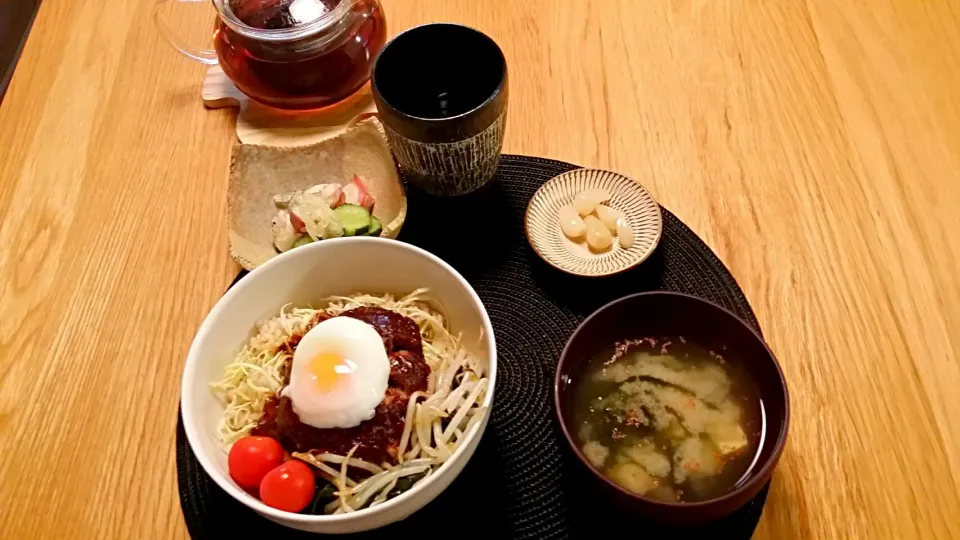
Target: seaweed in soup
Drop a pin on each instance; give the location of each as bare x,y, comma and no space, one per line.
667,419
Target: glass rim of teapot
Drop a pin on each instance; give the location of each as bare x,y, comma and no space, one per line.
293,33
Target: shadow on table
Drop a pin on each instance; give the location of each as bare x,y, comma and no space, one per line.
16,18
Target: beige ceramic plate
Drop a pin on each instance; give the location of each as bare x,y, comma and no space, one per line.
258,172
542,223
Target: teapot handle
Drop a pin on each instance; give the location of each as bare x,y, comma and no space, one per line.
161,10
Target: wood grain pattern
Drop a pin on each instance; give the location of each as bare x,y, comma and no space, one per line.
814,145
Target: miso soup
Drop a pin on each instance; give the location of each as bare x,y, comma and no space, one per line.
666,419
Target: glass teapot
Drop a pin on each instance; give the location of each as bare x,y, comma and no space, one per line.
290,54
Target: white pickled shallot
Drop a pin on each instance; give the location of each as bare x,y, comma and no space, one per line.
590,217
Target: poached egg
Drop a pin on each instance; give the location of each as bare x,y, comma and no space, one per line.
339,374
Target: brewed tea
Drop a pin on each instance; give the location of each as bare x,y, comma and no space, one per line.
327,61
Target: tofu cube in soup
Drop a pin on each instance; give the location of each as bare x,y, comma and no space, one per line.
632,477
596,453
647,456
694,459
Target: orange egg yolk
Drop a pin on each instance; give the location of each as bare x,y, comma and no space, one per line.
329,370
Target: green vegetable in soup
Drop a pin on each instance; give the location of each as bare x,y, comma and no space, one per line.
675,423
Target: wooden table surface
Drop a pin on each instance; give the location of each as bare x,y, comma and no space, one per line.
814,146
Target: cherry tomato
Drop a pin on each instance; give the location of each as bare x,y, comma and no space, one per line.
288,487
251,458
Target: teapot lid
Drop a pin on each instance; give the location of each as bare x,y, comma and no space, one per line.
283,14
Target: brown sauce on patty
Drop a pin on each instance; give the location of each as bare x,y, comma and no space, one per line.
376,439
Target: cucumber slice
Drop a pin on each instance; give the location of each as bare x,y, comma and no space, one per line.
375,227
302,241
354,218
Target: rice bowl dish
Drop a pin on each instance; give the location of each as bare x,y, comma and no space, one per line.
299,377
435,406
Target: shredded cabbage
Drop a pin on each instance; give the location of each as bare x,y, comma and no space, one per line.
254,376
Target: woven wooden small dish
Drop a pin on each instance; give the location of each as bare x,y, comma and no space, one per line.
542,223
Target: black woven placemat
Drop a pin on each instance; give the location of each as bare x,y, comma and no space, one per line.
522,482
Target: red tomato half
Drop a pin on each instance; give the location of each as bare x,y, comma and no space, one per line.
288,487
251,458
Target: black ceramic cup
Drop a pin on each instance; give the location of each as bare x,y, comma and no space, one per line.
441,93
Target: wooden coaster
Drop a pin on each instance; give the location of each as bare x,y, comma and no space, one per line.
259,124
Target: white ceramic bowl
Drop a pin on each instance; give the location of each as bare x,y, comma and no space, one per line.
302,276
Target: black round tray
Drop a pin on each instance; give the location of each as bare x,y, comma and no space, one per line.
523,481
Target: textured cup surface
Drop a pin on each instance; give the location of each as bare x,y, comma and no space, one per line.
441,92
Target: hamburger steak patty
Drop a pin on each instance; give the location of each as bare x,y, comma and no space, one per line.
376,439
